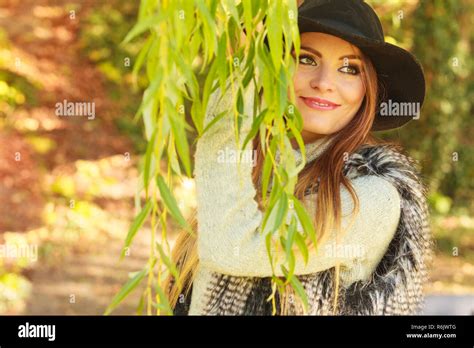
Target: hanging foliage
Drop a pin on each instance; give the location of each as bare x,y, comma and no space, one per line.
192,48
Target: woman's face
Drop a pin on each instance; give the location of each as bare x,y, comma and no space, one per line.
328,84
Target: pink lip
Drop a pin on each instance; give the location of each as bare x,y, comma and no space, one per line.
320,104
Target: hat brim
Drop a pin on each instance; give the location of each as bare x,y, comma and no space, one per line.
400,75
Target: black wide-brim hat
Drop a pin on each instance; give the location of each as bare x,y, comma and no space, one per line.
400,75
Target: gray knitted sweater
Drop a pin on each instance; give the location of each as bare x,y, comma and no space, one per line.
234,269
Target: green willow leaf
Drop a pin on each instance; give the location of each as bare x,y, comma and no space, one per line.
248,15
209,30
305,220
291,235
299,240
148,160
263,56
173,158
282,92
240,102
255,127
296,117
296,284
300,291
149,116
268,243
158,58
149,95
269,94
169,264
141,305
277,214
231,8
259,7
249,69
188,74
275,33
146,7
188,9
207,90
267,170
170,201
126,290
179,133
164,305
143,26
281,212
221,61
288,245
268,217
141,56
136,224
291,263
163,129
197,116
214,121
300,142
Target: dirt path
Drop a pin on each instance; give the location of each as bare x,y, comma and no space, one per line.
86,283
81,276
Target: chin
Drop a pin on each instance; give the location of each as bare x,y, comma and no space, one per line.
319,131
318,127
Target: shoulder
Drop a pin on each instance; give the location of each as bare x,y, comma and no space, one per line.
374,225
379,199
381,176
389,162
382,158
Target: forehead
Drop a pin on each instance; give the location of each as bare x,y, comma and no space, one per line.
326,42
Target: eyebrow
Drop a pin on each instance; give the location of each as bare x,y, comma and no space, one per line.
317,53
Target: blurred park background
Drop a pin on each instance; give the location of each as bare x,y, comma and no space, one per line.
67,185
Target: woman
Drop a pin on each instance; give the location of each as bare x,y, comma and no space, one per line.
366,197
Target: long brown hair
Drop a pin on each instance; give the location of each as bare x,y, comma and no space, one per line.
328,167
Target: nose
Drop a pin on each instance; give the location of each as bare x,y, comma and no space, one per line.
322,79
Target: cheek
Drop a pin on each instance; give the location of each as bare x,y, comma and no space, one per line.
352,92
299,81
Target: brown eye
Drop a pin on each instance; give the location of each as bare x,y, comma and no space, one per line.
350,69
307,60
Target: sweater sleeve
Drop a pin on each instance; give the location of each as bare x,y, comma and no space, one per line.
230,240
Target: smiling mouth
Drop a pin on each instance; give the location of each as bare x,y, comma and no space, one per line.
319,104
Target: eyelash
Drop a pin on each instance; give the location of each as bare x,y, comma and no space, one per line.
355,69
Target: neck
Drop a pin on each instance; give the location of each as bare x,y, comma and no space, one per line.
313,149
308,138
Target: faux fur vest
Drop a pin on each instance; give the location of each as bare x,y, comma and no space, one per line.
396,286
